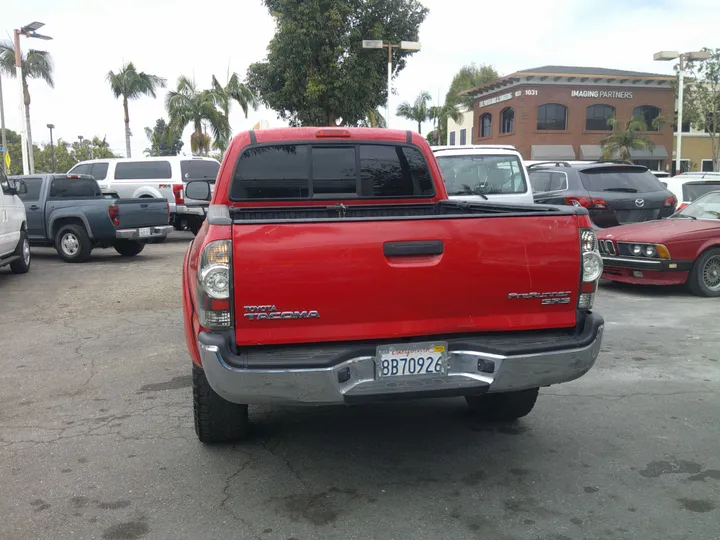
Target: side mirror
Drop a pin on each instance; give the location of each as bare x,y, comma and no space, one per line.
198,190
20,187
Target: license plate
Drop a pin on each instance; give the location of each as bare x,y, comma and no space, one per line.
145,232
410,360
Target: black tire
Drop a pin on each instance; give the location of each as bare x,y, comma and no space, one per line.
504,407
704,278
22,265
77,238
216,419
195,227
128,248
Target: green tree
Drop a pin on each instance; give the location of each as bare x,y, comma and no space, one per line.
629,137
35,65
163,140
418,112
129,83
233,90
188,105
316,71
701,99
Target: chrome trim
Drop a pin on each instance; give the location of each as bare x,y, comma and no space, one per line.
134,234
321,385
650,263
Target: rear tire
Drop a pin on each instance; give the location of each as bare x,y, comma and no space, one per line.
73,244
195,227
128,248
216,419
505,407
22,265
704,278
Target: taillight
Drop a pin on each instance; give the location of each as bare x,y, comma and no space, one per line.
592,268
671,201
682,205
114,213
586,202
179,192
213,286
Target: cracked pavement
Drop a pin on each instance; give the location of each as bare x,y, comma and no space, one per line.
97,440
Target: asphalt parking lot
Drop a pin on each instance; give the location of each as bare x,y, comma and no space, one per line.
97,440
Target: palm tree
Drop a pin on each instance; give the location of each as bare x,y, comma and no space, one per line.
131,84
418,111
35,65
622,140
234,90
375,119
188,105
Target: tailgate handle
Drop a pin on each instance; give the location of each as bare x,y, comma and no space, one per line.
413,249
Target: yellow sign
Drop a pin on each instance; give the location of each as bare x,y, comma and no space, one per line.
8,161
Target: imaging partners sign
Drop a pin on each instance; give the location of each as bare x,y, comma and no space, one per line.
612,94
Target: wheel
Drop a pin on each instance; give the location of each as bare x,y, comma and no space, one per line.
128,248
22,265
216,419
507,406
704,278
195,227
73,243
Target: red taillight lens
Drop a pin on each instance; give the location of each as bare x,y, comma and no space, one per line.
671,201
179,192
683,205
586,202
114,213
344,133
213,290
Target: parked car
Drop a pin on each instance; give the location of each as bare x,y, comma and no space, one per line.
70,212
484,172
688,187
684,248
332,268
155,177
613,193
14,244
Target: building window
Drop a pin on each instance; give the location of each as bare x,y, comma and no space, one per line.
486,125
597,116
648,114
552,116
707,165
507,120
710,125
684,166
652,164
463,137
452,138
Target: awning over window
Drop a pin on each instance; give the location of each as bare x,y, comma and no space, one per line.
659,152
552,151
590,152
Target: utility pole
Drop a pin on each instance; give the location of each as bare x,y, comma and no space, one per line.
52,147
4,136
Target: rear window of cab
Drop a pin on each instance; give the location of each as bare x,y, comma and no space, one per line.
331,171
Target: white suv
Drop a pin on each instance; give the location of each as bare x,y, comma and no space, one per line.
484,172
14,244
158,177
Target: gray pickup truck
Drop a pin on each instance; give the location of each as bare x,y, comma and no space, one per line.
70,212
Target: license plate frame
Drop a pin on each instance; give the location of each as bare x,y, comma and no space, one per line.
411,360
144,232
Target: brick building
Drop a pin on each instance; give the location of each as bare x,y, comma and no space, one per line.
561,112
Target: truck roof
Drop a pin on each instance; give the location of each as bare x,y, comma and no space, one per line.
330,132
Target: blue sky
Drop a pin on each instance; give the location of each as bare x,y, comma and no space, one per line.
173,37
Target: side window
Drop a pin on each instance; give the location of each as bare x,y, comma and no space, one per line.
540,181
272,172
99,171
73,188
83,168
199,169
394,171
558,181
4,185
143,170
33,190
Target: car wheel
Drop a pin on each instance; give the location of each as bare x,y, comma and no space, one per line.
506,406
216,419
128,248
73,244
704,278
22,265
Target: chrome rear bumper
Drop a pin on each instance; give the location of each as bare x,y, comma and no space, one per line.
134,234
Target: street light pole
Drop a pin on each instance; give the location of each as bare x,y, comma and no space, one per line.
3,166
52,147
403,46
682,57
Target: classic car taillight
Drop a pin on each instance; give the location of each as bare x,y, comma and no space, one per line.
213,286
179,192
114,213
586,202
670,202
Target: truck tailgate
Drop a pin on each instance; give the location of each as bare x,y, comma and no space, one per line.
356,280
145,212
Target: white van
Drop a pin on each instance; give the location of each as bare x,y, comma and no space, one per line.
157,177
14,243
484,172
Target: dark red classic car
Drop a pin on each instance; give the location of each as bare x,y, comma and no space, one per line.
684,248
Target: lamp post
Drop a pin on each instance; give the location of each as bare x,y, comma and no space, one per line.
30,31
403,46
52,147
683,57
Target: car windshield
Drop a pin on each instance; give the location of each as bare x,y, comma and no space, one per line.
482,174
629,179
706,207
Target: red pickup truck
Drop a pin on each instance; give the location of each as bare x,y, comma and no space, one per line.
332,268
